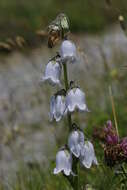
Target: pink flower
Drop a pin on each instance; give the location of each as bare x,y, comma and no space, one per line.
112,139
110,134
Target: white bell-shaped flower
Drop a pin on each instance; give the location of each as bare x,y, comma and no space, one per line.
75,99
87,157
76,142
63,162
52,72
57,107
68,51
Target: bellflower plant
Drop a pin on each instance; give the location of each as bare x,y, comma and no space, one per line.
65,102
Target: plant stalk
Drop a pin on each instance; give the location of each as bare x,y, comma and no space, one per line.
74,183
113,110
75,170
67,87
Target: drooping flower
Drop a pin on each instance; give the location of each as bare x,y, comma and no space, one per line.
63,162
52,72
87,157
68,51
75,99
76,142
57,106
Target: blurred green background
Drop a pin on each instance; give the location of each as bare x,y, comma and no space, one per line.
24,17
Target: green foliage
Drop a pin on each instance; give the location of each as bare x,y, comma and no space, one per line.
36,179
24,17
100,178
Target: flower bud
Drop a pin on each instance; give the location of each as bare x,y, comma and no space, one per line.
111,136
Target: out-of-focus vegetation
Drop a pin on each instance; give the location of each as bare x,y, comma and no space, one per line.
35,179
25,17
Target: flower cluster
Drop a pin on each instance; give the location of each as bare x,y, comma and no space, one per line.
77,147
115,149
65,102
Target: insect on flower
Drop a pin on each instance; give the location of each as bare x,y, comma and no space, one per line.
63,162
67,101
58,29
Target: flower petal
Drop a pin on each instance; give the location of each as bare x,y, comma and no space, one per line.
52,73
56,171
68,168
52,107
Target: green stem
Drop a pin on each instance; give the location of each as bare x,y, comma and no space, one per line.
74,183
67,87
113,110
75,170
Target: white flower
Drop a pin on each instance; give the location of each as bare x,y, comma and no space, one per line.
76,142
52,72
68,51
57,107
63,162
88,157
76,99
